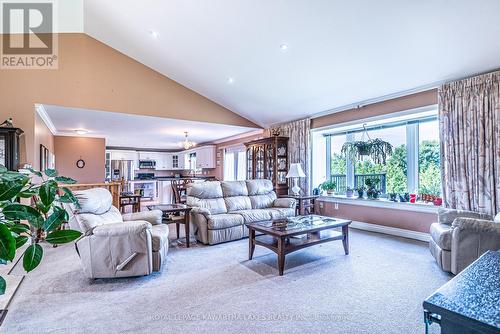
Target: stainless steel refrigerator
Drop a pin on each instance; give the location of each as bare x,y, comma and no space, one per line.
122,170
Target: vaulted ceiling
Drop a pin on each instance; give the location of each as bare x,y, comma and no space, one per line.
273,61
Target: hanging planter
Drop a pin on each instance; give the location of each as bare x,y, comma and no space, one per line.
377,149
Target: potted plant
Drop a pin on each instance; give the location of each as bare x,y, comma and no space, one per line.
349,192
377,149
32,223
393,197
371,187
329,187
360,190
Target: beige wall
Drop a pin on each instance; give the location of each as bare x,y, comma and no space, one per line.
92,150
411,101
44,137
94,76
408,220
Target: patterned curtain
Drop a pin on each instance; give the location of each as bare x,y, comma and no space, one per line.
298,147
469,113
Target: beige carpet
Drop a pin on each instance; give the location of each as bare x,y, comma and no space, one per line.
378,288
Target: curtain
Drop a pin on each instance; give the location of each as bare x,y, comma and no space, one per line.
298,147
228,166
469,115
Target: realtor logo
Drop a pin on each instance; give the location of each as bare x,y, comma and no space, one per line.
28,39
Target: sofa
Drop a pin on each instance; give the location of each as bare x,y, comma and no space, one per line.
116,245
220,210
459,237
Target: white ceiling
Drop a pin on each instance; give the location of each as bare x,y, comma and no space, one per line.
340,52
138,131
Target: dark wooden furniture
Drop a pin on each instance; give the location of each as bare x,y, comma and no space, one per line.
175,213
267,158
133,200
468,303
305,204
9,147
301,232
179,189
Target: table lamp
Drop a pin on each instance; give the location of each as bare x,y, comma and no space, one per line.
295,172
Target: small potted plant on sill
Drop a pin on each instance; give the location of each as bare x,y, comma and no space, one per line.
329,187
393,197
360,191
349,192
371,187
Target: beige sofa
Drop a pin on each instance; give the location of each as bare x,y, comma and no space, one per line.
460,237
221,209
113,245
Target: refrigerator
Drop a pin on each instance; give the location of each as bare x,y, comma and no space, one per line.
122,170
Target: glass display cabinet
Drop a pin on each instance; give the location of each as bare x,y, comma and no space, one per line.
267,158
9,147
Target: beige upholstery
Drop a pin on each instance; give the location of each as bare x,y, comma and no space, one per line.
113,245
221,209
460,237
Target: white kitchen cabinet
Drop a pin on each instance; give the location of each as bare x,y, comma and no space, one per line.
123,155
205,157
177,161
164,161
166,194
156,156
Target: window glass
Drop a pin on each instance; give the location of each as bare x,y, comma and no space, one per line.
429,172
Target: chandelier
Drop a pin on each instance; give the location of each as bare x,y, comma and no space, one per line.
187,144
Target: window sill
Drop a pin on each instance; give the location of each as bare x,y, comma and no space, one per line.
381,203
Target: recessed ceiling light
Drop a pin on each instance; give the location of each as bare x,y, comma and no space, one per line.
154,34
284,47
81,132
230,80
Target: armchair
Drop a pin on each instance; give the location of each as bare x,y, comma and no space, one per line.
113,245
460,237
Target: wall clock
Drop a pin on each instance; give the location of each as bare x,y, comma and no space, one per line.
80,163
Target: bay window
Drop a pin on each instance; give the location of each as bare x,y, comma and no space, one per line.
413,166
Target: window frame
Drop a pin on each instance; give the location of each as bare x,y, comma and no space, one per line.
412,140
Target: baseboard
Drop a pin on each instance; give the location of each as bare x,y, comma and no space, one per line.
391,230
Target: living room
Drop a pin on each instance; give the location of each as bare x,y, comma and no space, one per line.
242,166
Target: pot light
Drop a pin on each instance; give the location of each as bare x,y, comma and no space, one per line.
230,80
284,47
154,34
81,132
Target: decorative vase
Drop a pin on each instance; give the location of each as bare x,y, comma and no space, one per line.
360,194
329,191
438,201
349,193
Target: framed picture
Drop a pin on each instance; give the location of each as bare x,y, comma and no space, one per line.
44,158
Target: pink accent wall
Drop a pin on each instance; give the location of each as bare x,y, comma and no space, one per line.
408,220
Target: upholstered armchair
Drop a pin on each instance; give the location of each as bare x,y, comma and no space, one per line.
460,237
113,245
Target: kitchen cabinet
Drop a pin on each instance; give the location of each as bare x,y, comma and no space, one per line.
178,161
166,194
123,155
164,161
205,157
155,156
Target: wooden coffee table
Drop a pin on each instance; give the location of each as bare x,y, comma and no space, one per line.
300,232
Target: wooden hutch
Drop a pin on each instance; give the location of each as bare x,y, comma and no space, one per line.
267,158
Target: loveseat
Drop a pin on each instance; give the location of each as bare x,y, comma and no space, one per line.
221,209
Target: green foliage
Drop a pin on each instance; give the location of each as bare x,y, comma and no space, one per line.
328,185
377,149
43,216
396,168
430,181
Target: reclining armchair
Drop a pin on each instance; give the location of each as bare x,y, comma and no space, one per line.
113,245
460,237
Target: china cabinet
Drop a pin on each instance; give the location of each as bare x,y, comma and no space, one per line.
9,147
267,158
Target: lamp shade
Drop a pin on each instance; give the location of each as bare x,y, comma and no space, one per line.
295,171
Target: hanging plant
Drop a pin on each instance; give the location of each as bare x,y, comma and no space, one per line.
377,149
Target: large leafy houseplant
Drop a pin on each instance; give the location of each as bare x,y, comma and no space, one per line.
34,222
